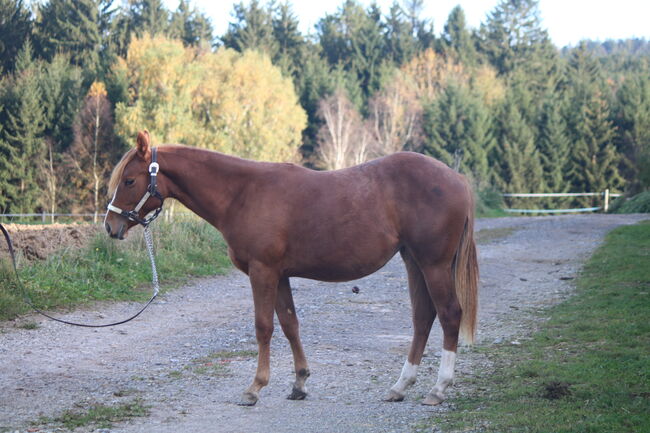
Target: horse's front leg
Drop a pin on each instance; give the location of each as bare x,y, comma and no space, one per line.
264,282
286,312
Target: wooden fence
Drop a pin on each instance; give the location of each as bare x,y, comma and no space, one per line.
606,195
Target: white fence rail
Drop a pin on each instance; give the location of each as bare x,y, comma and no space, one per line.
45,217
605,195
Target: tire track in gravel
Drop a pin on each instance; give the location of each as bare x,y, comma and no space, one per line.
355,343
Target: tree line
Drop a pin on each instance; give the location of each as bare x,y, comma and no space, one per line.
499,103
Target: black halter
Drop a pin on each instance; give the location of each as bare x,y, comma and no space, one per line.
152,191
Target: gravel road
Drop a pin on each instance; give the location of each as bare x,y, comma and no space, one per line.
190,356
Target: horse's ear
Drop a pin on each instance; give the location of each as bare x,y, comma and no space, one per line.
144,145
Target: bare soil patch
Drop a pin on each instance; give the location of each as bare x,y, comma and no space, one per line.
37,242
190,356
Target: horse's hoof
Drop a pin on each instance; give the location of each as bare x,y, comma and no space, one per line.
433,400
297,394
248,399
394,396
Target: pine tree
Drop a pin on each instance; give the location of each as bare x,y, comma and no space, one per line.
291,43
632,121
189,25
515,43
24,134
554,148
353,38
595,160
15,28
457,41
148,16
515,156
400,40
73,27
252,29
459,132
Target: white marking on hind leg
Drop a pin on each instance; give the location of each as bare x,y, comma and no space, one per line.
445,378
406,379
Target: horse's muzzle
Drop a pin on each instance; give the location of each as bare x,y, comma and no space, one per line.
115,235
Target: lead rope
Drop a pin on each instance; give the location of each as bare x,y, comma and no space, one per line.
148,241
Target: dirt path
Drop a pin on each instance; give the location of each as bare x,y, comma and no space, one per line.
356,344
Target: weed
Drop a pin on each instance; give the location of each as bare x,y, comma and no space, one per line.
97,416
29,325
217,363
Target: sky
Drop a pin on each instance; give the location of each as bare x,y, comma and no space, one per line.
567,21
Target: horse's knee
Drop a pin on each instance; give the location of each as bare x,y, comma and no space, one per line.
263,331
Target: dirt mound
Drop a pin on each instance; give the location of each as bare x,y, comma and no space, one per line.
38,242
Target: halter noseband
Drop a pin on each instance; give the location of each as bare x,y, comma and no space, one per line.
152,191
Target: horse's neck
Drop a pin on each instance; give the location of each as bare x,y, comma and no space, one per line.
205,182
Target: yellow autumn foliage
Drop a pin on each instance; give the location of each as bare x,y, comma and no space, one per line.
430,73
234,103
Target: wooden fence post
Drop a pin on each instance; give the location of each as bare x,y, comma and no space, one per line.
606,204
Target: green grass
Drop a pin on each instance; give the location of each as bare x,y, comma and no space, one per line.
588,369
98,416
111,270
216,364
489,203
640,203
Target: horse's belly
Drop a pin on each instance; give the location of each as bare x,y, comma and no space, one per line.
342,263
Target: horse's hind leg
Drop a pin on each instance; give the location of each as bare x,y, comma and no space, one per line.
286,312
423,317
442,292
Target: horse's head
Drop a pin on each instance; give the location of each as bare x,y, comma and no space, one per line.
133,186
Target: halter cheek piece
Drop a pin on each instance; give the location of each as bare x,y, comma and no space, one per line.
152,191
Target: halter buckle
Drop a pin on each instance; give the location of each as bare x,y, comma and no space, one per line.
154,168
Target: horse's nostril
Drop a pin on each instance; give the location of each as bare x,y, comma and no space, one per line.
108,227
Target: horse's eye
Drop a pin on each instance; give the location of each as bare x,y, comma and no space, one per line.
129,182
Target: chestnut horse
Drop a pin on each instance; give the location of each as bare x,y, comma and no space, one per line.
283,220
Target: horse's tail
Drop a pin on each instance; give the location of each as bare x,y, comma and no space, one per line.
466,275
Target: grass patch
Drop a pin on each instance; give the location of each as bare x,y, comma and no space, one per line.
29,325
489,203
640,203
216,363
588,369
97,416
110,270
485,236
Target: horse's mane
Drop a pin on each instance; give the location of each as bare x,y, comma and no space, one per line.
118,171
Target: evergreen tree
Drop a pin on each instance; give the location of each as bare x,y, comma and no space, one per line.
517,46
353,38
554,148
148,16
457,40
24,148
594,158
422,27
15,28
61,85
252,29
73,27
459,132
632,121
401,41
189,25
515,156
291,44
